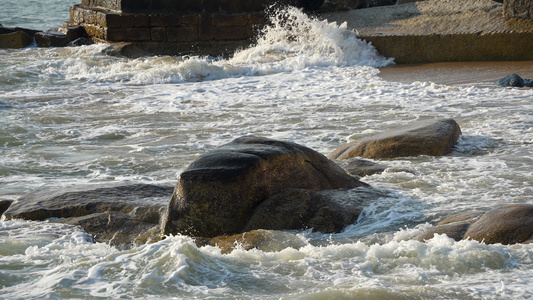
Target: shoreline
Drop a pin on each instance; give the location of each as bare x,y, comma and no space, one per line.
456,73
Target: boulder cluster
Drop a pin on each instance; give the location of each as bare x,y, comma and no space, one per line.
57,37
245,191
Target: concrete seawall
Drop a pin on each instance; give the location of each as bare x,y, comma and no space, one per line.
491,46
416,32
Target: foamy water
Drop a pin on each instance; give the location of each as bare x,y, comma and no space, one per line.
74,116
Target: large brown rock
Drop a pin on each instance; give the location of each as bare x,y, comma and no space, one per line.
217,193
506,225
327,211
120,214
428,137
17,39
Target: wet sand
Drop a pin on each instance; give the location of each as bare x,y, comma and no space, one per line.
457,73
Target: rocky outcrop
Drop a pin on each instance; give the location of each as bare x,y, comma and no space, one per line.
60,37
514,80
17,39
219,192
429,137
506,225
120,214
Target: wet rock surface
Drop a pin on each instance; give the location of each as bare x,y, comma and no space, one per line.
428,137
506,225
218,193
120,214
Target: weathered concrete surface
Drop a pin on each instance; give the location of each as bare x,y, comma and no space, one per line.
441,31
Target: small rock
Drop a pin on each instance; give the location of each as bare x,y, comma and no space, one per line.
429,137
514,80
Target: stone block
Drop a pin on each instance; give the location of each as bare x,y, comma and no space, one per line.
51,39
211,6
127,21
230,20
134,5
231,6
254,6
182,34
165,20
73,32
17,39
89,16
96,31
231,33
190,19
128,34
76,15
158,34
142,21
206,28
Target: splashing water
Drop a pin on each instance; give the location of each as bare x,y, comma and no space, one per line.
294,40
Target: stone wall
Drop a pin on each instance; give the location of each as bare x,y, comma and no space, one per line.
173,26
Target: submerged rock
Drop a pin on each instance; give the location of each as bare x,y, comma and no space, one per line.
120,214
429,137
264,240
219,192
506,225
16,40
514,80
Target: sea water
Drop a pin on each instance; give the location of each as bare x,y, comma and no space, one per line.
73,116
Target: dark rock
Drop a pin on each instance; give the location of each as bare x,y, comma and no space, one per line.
17,39
301,209
122,213
72,32
310,5
429,137
217,193
340,5
30,32
116,228
51,39
514,80
506,225
4,205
